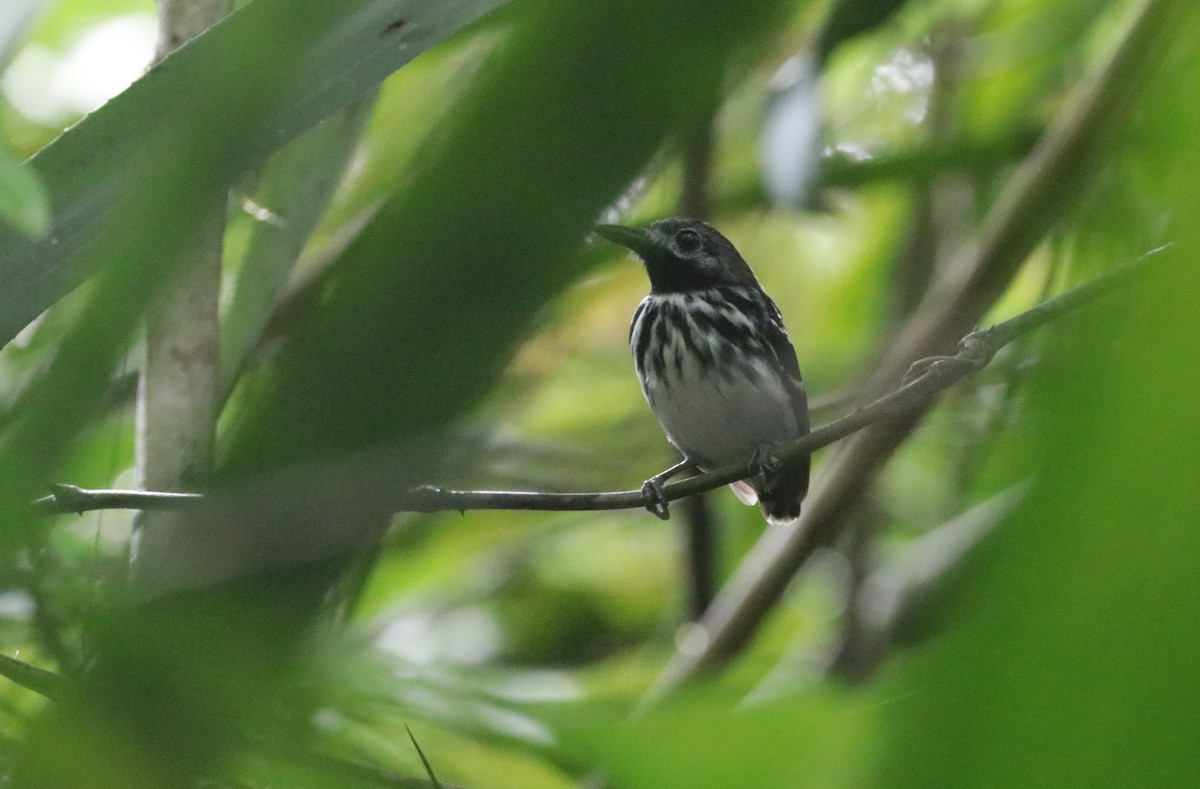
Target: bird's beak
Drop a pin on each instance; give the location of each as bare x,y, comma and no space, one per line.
631,237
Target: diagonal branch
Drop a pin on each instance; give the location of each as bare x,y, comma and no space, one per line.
928,378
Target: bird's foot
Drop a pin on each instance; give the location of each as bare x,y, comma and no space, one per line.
654,500
653,497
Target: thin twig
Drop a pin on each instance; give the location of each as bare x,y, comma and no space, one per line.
929,377
72,498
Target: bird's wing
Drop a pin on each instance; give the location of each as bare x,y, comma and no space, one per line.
777,338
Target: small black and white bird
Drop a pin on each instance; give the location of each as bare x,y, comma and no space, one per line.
715,363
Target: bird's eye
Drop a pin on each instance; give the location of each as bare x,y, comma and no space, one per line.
688,240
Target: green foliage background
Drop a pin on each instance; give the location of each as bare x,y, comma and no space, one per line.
445,319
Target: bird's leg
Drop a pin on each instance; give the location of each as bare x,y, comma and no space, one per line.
653,497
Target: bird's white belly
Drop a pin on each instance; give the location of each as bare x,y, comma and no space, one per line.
721,419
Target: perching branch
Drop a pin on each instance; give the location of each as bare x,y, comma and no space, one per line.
926,380
940,373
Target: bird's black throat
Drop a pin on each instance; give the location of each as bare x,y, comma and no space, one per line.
669,274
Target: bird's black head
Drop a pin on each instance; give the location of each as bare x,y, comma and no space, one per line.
682,254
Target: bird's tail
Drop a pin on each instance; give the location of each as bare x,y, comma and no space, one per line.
781,491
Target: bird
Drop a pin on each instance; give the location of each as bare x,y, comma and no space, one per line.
715,364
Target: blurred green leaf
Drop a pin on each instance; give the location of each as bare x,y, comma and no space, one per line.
224,101
1068,642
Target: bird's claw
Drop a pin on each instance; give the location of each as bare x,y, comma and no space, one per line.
654,499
